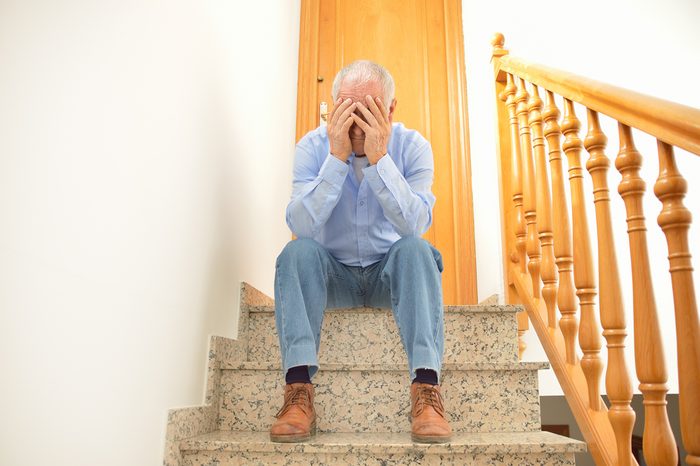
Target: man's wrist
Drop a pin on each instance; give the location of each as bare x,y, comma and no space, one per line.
375,159
343,159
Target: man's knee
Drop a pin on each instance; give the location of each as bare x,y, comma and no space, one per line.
412,245
412,248
299,250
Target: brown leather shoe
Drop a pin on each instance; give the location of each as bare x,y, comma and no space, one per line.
428,423
296,420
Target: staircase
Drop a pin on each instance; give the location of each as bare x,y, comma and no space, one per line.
362,395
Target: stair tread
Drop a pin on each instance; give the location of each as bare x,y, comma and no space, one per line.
452,309
341,442
472,366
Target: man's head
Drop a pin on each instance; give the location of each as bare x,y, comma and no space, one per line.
358,80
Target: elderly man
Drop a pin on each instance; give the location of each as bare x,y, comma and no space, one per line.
361,199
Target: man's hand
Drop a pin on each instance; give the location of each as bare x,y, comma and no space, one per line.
377,128
339,123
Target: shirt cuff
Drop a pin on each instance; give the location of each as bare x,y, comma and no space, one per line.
385,171
334,170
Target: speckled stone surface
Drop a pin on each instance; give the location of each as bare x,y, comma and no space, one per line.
478,397
363,387
195,420
365,335
494,299
534,448
354,459
185,423
387,442
410,458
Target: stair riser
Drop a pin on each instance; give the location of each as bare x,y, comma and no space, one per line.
226,458
373,338
379,401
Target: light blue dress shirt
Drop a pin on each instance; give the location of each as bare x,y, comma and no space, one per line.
357,222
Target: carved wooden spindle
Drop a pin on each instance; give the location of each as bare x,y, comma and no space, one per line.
659,446
517,188
566,299
544,209
529,192
612,315
508,96
675,220
584,278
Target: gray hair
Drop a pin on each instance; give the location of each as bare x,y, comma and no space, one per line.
366,71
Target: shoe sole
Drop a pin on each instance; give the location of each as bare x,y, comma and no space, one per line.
430,439
296,438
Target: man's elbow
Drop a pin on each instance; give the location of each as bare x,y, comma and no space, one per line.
300,229
415,228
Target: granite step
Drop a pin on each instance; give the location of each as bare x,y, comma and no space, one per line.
482,333
227,448
479,397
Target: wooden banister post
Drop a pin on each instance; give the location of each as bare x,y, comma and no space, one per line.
529,191
517,180
675,220
618,383
584,276
516,177
518,256
544,209
659,445
566,298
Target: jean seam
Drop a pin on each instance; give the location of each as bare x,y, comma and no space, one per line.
284,322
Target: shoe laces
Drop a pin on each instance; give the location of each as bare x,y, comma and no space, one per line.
296,396
428,395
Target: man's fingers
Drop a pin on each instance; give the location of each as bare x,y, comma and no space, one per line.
347,124
346,113
334,114
360,122
335,107
368,115
372,105
385,113
339,109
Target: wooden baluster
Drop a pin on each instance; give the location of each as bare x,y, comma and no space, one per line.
529,192
566,299
516,180
659,445
584,278
544,210
675,220
612,315
508,96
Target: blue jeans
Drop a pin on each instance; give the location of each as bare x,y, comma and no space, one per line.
308,280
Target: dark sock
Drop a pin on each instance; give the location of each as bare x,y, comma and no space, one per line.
428,376
298,374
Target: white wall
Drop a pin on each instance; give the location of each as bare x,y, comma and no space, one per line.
145,151
145,165
650,47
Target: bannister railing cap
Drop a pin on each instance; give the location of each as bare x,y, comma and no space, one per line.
497,42
670,122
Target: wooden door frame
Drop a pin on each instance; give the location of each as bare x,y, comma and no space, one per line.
463,207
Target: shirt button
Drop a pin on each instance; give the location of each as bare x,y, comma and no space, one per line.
362,203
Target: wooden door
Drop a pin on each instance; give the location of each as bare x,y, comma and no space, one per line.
421,43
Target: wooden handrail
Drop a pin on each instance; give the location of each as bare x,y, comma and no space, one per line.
532,245
672,123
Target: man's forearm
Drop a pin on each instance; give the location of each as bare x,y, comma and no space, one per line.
313,202
409,210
